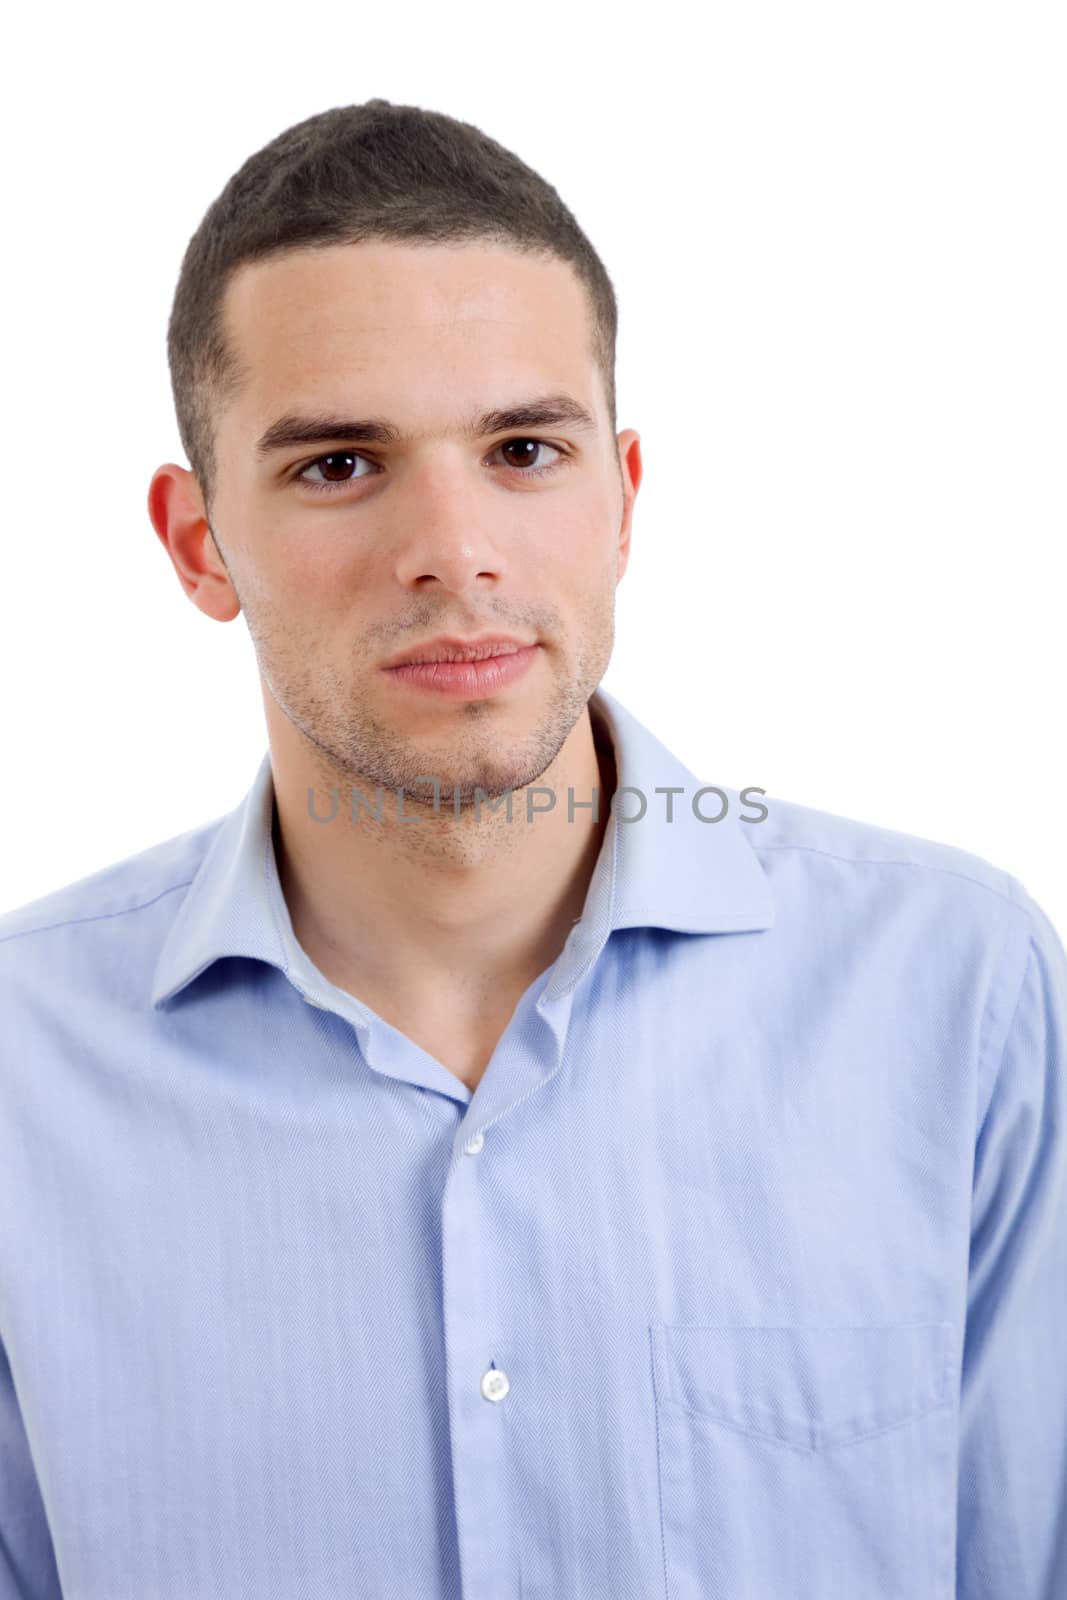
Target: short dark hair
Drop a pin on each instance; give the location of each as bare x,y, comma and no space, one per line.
375,171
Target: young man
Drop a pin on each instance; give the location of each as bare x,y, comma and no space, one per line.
490,1162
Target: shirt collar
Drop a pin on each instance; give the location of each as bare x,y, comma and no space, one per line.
686,874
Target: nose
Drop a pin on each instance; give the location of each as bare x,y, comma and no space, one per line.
451,530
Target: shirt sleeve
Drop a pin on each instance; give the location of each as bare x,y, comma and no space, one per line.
27,1560
1012,1522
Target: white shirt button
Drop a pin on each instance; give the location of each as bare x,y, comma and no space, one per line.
472,1146
494,1384
314,1003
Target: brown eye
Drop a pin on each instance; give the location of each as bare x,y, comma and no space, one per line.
333,467
524,449
525,454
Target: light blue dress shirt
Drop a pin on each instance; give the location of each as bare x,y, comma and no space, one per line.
742,1274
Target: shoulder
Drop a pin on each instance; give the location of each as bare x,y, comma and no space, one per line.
824,866
113,910
863,850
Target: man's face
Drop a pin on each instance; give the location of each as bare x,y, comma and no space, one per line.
344,553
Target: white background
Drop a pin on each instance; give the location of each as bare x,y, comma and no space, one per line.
837,234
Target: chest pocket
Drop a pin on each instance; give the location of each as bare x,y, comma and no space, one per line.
813,1463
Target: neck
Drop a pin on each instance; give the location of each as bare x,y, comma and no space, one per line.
401,914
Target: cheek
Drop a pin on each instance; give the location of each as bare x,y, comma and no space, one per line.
583,552
318,577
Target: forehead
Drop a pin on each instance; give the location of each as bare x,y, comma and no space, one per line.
378,307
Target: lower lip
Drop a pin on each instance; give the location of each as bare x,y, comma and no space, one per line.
465,680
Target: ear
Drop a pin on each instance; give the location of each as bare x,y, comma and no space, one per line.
176,509
630,470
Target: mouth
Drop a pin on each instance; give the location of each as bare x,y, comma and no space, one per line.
467,672
451,649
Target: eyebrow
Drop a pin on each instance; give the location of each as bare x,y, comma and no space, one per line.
546,411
